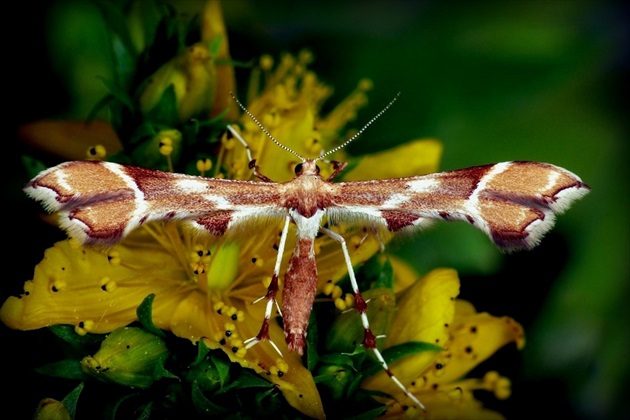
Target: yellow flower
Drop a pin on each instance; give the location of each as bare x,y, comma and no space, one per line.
428,312
204,285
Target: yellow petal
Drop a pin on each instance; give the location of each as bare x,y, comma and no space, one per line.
297,384
404,273
474,338
74,285
424,313
69,139
418,157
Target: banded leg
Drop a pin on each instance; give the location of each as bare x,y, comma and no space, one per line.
369,340
272,291
251,160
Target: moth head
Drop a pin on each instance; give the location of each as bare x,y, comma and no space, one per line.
307,167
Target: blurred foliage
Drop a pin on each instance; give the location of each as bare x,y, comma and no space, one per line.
492,80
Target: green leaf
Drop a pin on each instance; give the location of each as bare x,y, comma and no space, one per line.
385,277
32,165
146,412
249,379
71,400
202,352
269,401
202,403
222,366
69,369
117,22
108,99
145,316
369,414
118,92
165,110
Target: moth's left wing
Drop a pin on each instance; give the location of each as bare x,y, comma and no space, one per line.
514,203
101,202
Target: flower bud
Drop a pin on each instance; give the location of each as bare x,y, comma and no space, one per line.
51,409
193,77
128,356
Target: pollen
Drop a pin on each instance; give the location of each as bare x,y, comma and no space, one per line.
97,152
280,368
341,304
84,327
266,62
238,348
232,313
313,145
500,385
58,285
198,267
365,85
218,307
204,165
228,143
230,330
455,394
271,119
114,258
166,146
108,285
328,288
257,261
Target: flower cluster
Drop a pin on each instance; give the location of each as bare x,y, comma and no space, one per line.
201,288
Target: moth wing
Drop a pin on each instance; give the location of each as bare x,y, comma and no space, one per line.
101,202
514,203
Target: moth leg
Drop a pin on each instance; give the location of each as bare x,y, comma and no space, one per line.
272,291
251,160
369,340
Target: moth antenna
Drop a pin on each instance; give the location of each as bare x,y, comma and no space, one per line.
345,143
263,129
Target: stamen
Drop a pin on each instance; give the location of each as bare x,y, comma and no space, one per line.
328,288
114,257
108,285
266,62
97,152
84,327
203,166
58,286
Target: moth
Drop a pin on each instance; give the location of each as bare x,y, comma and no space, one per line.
514,203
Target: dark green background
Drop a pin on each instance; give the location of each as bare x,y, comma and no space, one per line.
493,80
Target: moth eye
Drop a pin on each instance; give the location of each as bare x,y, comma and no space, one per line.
298,169
316,169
